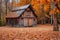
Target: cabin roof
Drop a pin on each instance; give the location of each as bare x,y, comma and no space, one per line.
21,7
16,12
11,15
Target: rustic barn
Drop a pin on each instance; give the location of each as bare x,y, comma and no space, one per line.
21,16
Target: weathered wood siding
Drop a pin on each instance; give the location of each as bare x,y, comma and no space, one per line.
12,21
27,13
27,19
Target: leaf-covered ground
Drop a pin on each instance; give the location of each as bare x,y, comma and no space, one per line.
39,32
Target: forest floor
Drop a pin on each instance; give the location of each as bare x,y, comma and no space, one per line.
39,32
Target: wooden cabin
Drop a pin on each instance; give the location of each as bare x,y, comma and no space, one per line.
21,16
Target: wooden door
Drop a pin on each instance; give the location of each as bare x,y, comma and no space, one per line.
31,22
26,22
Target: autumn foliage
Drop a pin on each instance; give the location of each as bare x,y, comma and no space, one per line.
36,4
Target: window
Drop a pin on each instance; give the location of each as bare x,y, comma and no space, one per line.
28,14
22,18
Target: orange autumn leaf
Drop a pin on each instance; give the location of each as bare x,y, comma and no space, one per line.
35,7
42,1
49,1
51,12
46,7
56,10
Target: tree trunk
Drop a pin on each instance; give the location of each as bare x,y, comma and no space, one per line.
6,7
2,13
0,10
43,15
51,20
55,23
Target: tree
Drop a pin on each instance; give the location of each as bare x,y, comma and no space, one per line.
2,13
6,4
54,16
0,10
43,14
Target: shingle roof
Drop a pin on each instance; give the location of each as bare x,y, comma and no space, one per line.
12,15
21,7
17,13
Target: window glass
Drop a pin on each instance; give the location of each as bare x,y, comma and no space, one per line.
28,14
